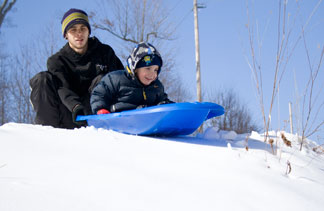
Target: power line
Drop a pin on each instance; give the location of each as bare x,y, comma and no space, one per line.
176,5
184,18
199,6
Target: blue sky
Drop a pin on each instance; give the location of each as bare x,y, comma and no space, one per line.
224,44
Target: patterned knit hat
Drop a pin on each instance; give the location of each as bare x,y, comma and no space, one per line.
149,60
72,17
144,54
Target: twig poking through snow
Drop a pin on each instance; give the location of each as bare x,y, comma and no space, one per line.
247,143
288,170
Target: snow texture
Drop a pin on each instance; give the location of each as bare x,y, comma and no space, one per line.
43,168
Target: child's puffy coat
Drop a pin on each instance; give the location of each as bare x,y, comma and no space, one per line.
121,90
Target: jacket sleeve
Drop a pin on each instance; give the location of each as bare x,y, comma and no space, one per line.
162,97
67,96
102,94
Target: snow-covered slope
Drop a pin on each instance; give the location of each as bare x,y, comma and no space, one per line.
42,168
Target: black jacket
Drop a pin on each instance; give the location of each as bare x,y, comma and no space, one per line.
119,91
76,72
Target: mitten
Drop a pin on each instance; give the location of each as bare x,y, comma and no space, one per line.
165,102
141,106
103,111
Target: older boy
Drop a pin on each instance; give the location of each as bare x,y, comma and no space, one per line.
61,93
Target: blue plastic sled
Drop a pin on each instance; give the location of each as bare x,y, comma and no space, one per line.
163,120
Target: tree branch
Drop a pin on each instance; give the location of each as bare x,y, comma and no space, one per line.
4,10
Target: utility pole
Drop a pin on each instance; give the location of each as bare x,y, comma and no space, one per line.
290,119
198,77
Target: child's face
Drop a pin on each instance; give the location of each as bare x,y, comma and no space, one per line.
77,36
147,75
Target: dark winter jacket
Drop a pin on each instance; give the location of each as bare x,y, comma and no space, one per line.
76,72
121,90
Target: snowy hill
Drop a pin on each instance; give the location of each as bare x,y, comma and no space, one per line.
42,168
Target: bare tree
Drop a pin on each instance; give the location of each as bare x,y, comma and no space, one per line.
30,60
237,116
288,38
46,46
313,101
4,9
4,89
22,71
135,21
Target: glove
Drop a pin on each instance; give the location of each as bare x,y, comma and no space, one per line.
165,102
79,110
103,111
141,106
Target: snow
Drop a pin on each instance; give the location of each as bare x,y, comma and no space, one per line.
43,168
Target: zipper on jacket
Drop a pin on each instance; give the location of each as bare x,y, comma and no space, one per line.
144,94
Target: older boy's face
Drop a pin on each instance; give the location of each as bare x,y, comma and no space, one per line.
77,36
147,75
